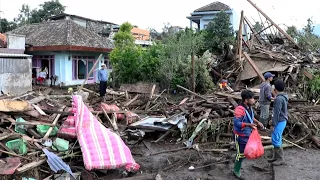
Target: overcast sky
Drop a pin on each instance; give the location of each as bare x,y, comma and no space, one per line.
152,13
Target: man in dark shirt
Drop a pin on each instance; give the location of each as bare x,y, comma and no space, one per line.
265,98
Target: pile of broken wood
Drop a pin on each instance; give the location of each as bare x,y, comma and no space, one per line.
190,119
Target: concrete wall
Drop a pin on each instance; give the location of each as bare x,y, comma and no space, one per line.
15,41
15,75
63,66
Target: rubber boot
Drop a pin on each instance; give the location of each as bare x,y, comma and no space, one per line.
273,157
280,159
237,168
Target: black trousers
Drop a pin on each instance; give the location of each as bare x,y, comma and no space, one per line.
103,88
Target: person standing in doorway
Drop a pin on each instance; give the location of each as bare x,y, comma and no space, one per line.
103,78
265,98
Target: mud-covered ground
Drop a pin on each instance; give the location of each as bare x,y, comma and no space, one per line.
175,165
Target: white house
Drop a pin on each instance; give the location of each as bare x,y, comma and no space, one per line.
204,15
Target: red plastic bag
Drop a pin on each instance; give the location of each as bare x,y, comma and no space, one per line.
254,148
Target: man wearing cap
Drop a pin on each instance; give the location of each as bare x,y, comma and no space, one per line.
103,78
265,98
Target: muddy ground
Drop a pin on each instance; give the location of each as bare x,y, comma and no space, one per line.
175,165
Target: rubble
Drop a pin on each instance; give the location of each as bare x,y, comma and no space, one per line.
192,120
46,130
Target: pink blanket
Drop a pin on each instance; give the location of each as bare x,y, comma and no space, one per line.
101,148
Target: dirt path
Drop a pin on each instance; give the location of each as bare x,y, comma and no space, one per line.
301,165
175,165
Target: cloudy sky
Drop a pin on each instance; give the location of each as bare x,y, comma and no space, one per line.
153,13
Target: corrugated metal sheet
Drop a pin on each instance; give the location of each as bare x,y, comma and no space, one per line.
14,65
14,55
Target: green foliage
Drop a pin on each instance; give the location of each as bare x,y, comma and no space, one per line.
257,26
169,63
175,62
132,63
124,36
293,31
314,86
46,10
307,40
7,26
219,32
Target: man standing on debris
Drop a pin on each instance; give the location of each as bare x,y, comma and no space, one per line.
279,121
243,124
103,78
265,98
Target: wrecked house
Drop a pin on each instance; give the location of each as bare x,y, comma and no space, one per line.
15,67
66,50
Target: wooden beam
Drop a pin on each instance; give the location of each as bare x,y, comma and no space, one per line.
240,38
275,25
254,67
88,75
255,34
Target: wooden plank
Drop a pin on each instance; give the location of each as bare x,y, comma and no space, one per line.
54,124
253,65
238,97
36,99
240,39
39,110
132,100
8,105
151,94
233,102
275,25
141,88
192,92
255,34
88,75
29,166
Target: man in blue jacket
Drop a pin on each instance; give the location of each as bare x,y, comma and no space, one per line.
243,123
103,78
279,121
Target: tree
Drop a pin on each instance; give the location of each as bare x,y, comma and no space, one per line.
292,31
175,62
307,39
132,63
257,26
124,36
219,32
24,17
154,35
46,10
7,26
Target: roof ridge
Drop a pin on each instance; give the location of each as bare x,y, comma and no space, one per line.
69,32
213,3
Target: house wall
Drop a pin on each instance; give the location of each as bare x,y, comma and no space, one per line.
15,75
16,41
207,18
63,66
